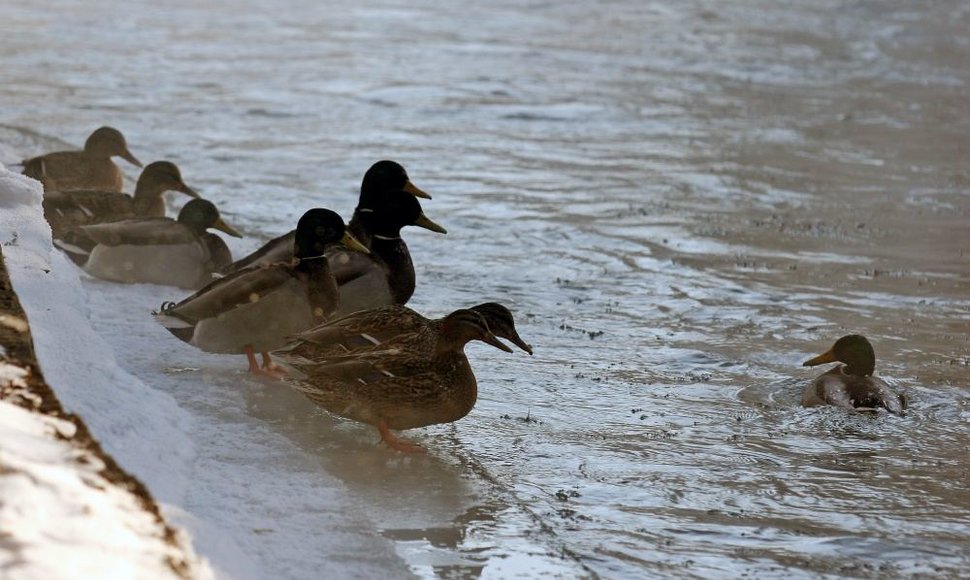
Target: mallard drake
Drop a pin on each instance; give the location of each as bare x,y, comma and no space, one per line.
386,275
383,178
383,328
66,210
255,309
404,387
160,250
851,385
90,168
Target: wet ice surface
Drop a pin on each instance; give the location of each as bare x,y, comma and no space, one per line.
681,204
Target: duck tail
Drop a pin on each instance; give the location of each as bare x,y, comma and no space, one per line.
165,316
76,253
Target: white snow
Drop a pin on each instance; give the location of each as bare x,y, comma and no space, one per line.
59,517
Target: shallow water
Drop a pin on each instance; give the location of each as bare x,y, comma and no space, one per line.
680,203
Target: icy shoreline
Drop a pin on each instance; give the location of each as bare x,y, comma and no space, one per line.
66,507
232,507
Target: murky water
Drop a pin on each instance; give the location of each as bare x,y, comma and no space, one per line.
681,201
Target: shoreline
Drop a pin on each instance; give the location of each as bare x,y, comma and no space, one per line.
23,384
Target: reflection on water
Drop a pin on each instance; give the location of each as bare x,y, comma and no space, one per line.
681,202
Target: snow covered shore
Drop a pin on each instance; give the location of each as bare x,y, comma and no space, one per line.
66,508
228,481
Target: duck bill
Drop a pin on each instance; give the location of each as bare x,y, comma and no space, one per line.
424,222
352,243
517,341
825,357
415,191
222,226
127,156
494,341
187,190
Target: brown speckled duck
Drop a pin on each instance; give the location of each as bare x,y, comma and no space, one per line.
851,385
404,387
66,210
383,328
257,308
90,168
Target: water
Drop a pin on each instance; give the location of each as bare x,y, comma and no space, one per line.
680,202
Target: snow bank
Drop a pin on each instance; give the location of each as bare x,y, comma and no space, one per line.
147,428
256,503
58,516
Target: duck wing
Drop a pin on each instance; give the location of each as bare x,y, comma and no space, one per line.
140,232
276,250
230,292
92,206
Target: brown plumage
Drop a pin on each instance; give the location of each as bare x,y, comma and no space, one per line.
66,211
90,168
404,386
386,327
851,385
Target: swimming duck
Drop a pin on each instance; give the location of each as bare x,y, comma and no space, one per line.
404,387
255,309
383,178
383,328
851,385
66,210
90,168
160,250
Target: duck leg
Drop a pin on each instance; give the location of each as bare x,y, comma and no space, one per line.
395,443
271,368
251,357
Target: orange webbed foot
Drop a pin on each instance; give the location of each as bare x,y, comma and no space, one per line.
394,443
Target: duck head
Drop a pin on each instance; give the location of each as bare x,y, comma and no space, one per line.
201,214
501,323
462,326
854,350
109,142
162,176
386,177
320,228
394,211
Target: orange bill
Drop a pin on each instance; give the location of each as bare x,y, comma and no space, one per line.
825,357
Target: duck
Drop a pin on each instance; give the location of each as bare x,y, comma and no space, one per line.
160,250
851,385
382,178
386,275
67,210
387,327
90,168
257,308
405,387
